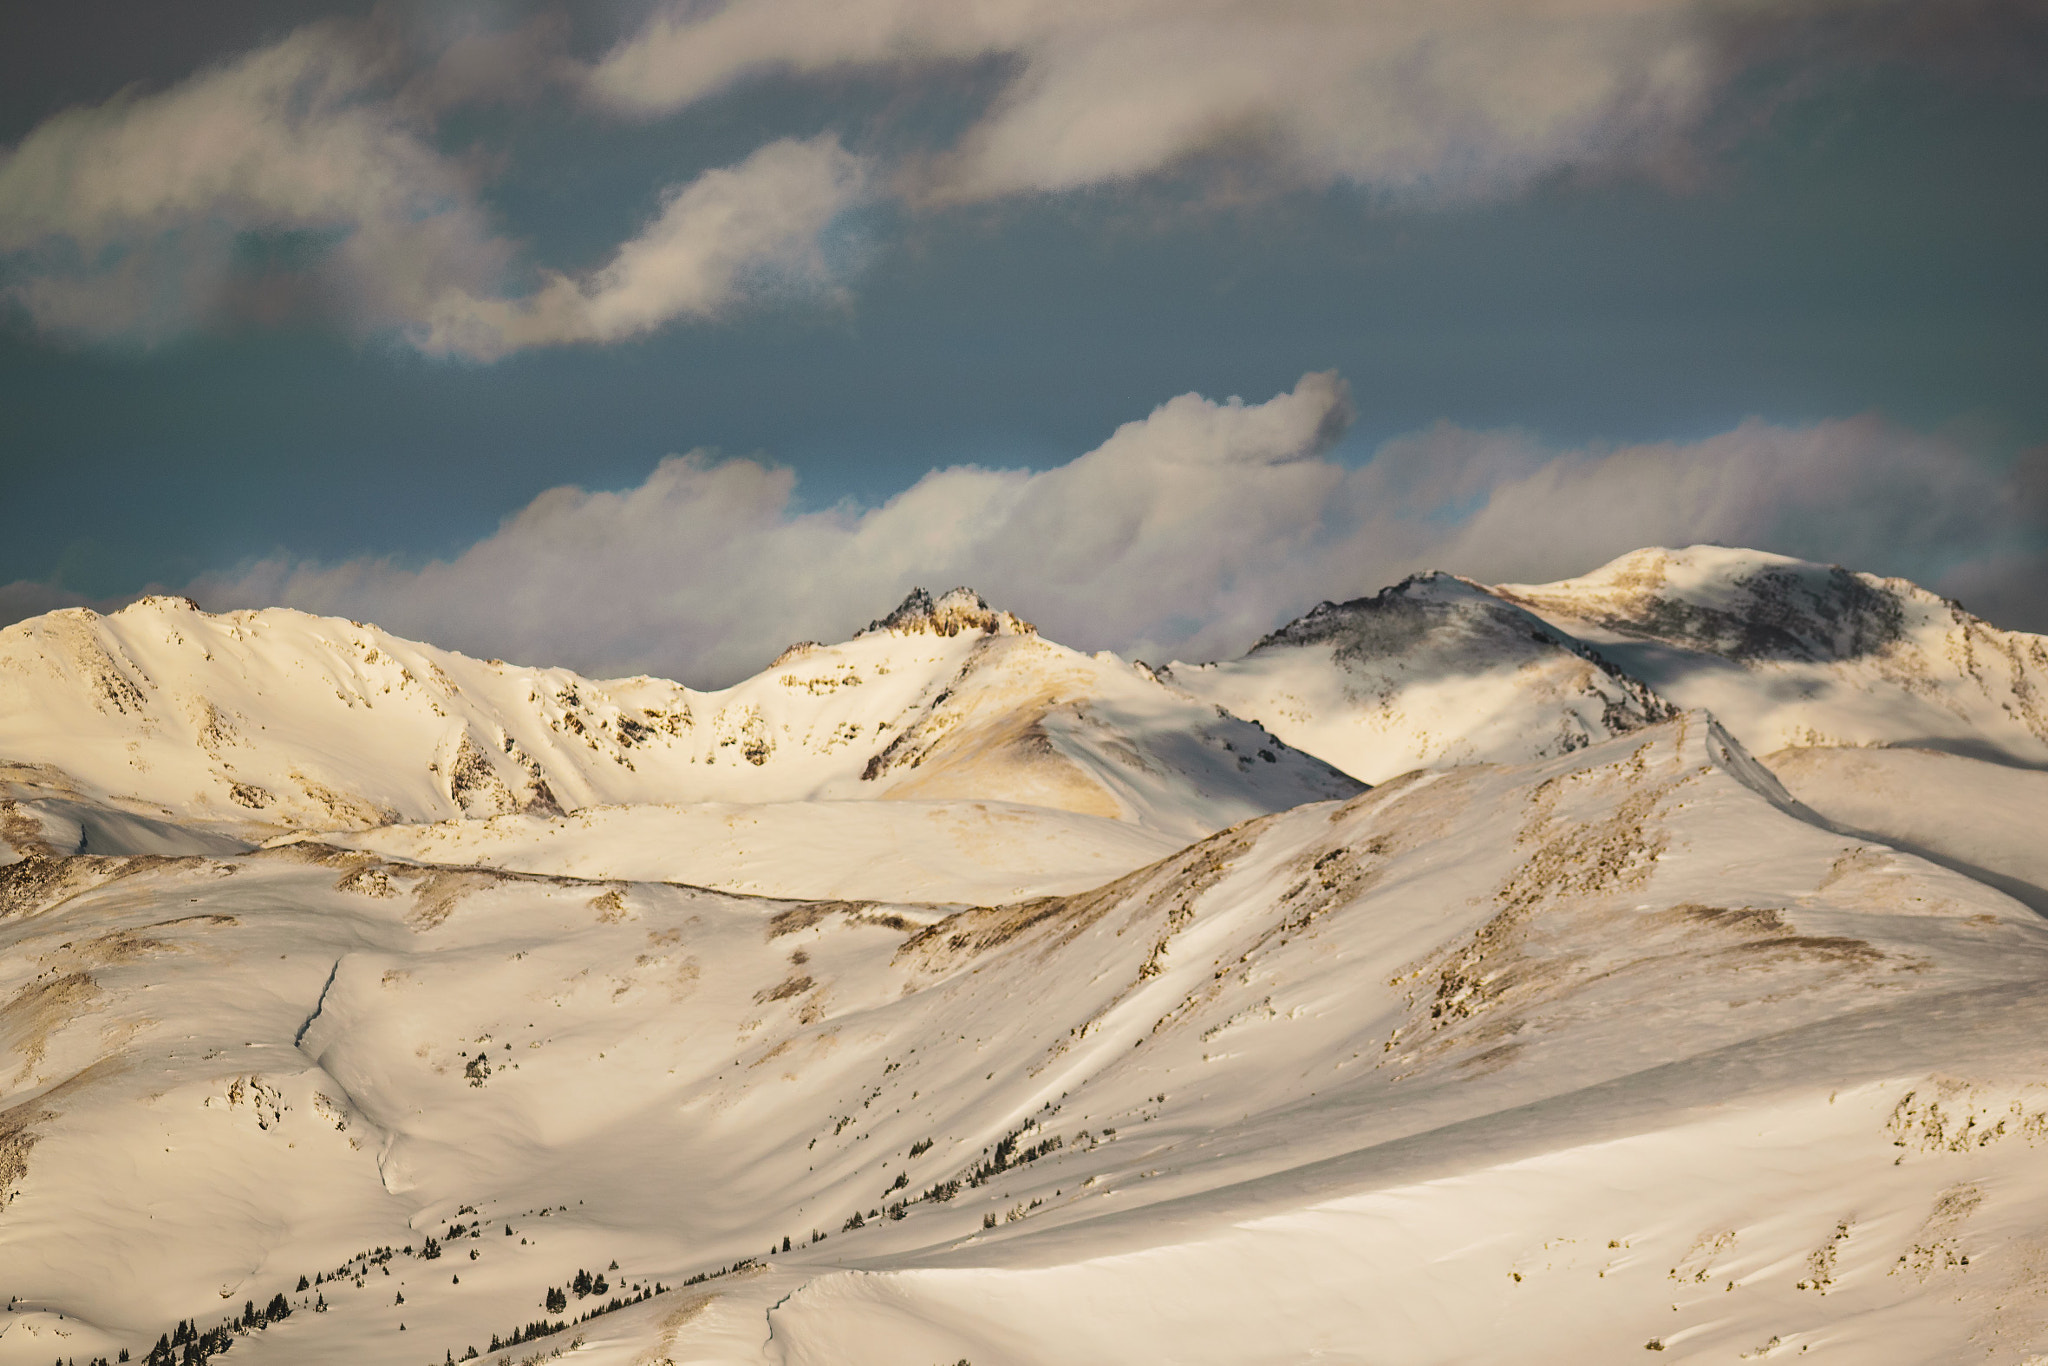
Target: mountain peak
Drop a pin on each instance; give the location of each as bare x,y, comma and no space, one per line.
1405,608
961,609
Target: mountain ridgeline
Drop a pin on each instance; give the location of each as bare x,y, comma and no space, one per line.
1653,960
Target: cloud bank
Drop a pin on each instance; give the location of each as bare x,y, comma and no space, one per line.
315,175
1444,97
1187,533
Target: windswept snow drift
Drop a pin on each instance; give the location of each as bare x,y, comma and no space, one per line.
1116,1030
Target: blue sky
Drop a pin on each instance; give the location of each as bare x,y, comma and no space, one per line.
315,305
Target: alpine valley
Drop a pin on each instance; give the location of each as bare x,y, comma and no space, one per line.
1538,973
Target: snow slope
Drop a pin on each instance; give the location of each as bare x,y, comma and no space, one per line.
1989,821
1785,652
254,723
1435,670
1543,1062
880,851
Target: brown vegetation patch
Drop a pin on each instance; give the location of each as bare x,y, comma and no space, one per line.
1167,889
344,811
314,852
372,878
1950,1116
435,896
39,1009
803,917
17,1136
1573,860
1937,1243
22,831
18,1124
671,1330
794,986
38,882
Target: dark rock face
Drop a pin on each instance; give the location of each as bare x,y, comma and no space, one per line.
1440,622
962,609
1808,613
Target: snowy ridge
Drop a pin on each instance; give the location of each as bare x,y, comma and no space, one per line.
908,850
1440,670
1435,670
1786,652
252,723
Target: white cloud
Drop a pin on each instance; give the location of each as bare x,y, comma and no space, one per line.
138,218
1439,97
126,218
1189,532
731,233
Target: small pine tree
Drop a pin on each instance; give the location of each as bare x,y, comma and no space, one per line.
303,1283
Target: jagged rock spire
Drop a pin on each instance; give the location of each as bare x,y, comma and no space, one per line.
962,609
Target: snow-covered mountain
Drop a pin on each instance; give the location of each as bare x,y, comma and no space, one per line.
1788,653
1116,1030
1435,670
1784,653
254,723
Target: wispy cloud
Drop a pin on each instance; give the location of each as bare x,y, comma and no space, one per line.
732,233
1188,532
128,218
309,169
1439,97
